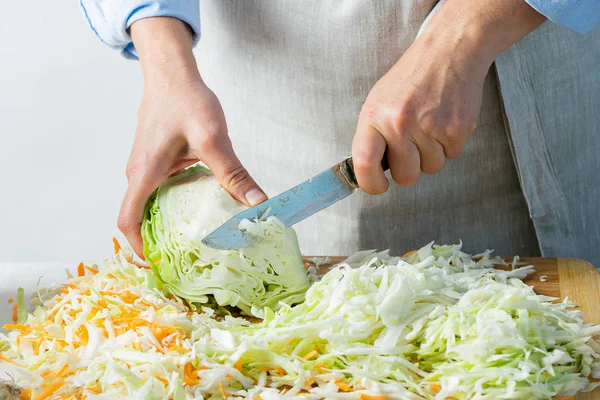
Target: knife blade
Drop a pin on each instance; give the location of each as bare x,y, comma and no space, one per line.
291,206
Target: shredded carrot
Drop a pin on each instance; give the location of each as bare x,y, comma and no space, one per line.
409,253
62,370
8,360
50,390
117,245
238,365
190,377
343,386
222,390
26,394
94,271
70,285
310,355
309,382
15,316
93,390
82,332
80,270
10,300
137,264
46,374
278,369
363,396
177,348
435,387
320,367
163,380
21,328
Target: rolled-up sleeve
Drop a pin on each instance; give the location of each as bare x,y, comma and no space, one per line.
578,15
110,19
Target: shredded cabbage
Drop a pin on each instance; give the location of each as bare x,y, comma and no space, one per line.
187,208
432,325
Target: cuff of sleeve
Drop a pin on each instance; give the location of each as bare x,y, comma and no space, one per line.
112,28
186,10
578,16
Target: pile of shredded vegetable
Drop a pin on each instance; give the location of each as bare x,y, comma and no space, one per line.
434,324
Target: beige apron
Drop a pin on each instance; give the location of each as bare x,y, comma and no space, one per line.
292,76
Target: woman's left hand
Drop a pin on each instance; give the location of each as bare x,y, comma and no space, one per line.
424,109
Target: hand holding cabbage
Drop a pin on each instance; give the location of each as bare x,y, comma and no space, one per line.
187,208
180,123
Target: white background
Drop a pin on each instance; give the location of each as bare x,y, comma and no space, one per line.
68,111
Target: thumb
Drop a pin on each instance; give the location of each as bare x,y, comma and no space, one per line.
232,175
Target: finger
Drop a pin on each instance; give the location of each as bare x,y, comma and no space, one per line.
368,149
231,174
405,161
431,154
454,139
142,182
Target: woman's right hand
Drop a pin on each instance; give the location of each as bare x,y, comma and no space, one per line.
180,122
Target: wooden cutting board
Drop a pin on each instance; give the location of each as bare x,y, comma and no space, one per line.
577,279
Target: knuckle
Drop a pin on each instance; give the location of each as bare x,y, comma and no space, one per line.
235,177
371,113
471,126
363,160
455,137
459,128
399,117
211,134
395,116
430,124
124,224
131,170
455,134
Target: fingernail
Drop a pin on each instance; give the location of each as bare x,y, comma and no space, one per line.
255,196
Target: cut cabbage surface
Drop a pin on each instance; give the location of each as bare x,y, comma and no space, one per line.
187,208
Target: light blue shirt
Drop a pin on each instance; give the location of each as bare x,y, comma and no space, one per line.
111,19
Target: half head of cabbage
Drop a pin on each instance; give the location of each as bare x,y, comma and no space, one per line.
189,206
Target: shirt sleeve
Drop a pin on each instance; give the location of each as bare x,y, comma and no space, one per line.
578,15
110,19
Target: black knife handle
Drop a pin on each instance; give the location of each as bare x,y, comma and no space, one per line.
348,172
384,161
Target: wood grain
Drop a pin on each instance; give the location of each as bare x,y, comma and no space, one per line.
565,277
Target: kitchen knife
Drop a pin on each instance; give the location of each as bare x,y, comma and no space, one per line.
292,206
